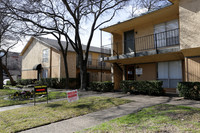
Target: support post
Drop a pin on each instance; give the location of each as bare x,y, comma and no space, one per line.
101,53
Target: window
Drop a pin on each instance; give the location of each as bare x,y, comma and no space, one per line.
99,62
170,73
166,34
45,73
45,53
89,59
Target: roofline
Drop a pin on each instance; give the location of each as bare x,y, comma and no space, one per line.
32,38
26,46
171,1
29,43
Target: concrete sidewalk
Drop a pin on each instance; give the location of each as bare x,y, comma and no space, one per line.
95,118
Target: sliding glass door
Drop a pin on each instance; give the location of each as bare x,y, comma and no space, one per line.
170,73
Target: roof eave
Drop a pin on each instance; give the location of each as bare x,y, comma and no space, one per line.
26,46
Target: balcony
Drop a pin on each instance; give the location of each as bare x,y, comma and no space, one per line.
96,64
157,43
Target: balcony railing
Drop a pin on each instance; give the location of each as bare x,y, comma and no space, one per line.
150,42
96,64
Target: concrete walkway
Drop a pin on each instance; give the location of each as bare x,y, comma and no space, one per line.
95,118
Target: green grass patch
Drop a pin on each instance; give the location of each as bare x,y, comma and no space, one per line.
29,117
3,102
159,118
4,92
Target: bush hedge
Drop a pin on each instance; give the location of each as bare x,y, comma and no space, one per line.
50,82
8,82
105,86
142,87
26,81
189,90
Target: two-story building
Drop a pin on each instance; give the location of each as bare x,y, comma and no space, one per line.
42,58
160,45
12,61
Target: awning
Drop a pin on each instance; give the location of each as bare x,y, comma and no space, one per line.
37,67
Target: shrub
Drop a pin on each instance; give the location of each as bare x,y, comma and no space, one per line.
105,86
57,83
8,82
50,82
142,87
25,81
19,86
189,90
6,87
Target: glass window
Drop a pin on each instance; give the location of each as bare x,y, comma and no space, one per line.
170,73
99,62
166,34
45,53
163,70
89,59
45,73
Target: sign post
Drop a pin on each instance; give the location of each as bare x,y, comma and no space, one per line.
72,95
40,90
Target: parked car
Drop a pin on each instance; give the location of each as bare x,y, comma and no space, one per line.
5,81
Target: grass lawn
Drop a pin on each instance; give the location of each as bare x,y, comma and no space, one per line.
4,92
160,118
28,117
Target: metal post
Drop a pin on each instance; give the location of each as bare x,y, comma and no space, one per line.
101,53
34,97
47,96
156,43
1,74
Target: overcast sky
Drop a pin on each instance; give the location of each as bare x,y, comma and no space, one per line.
122,15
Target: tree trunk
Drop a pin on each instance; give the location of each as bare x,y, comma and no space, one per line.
1,75
66,71
13,83
83,74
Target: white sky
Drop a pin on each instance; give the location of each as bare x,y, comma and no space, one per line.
121,16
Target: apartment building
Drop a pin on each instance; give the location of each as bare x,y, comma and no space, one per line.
160,45
41,58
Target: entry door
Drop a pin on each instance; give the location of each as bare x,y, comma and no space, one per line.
130,72
129,42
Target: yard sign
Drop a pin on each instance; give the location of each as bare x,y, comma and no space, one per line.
40,90
72,95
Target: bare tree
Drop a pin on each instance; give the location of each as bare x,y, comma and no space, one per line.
65,18
146,6
7,40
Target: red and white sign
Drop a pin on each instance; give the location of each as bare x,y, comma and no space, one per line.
72,96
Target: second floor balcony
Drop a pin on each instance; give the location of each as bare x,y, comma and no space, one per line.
97,64
156,43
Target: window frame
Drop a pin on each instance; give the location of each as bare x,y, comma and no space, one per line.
45,55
